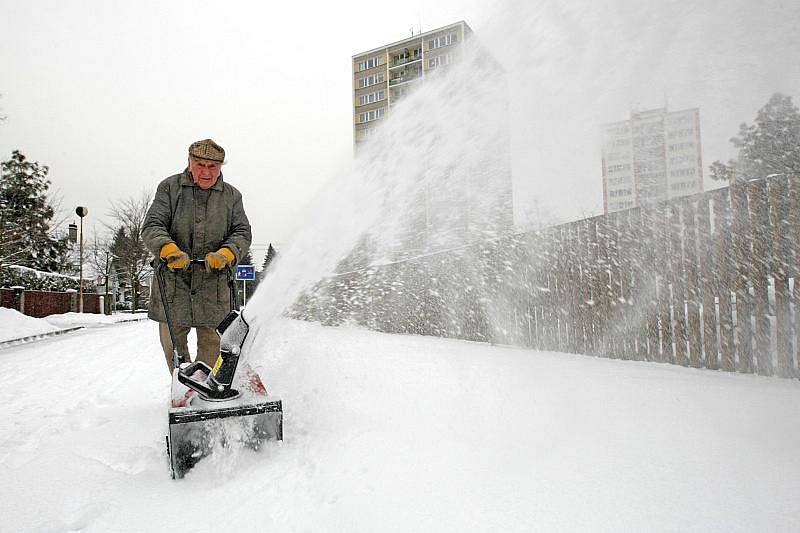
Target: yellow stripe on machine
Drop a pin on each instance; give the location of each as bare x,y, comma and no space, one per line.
217,365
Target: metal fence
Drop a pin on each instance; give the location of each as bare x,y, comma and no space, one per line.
706,280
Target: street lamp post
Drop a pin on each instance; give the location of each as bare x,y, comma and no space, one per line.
81,212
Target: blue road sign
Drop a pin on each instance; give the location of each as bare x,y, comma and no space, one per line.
245,272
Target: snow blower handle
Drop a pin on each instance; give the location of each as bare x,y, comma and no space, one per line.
177,359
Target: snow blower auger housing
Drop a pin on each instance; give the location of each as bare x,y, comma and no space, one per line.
207,412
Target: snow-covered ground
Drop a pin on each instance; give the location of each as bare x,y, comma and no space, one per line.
15,325
67,320
399,433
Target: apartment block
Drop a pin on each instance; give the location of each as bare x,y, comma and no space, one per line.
384,76
653,156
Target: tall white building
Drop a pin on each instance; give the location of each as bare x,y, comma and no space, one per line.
656,155
383,76
471,196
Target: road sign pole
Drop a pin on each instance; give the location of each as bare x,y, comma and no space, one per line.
245,273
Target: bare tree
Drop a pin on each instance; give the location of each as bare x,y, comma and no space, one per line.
130,256
100,258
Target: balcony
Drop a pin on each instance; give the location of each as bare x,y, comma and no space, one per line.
407,74
404,57
405,61
403,79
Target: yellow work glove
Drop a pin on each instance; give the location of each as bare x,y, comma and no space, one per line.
176,258
219,259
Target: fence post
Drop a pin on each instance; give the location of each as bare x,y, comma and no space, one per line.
759,272
678,283
693,292
19,298
781,271
646,281
741,267
574,287
709,264
664,273
625,246
793,253
594,289
725,276
73,300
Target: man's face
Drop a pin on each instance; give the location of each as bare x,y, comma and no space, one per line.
204,172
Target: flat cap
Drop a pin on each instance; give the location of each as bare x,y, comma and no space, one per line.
207,149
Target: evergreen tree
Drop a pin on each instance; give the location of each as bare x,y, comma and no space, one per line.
251,285
770,146
26,215
270,255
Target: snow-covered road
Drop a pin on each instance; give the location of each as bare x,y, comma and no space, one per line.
399,433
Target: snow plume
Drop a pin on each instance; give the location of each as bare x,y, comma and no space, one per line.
434,177
426,201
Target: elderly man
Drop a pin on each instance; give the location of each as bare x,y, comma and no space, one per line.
196,215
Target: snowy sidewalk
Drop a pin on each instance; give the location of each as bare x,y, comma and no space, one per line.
399,433
16,328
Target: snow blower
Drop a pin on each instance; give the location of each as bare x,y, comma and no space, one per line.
215,408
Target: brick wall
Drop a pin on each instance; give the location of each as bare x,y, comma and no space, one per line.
44,303
41,303
7,298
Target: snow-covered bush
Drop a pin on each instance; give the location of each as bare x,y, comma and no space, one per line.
36,280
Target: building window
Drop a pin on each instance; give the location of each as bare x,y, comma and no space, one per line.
366,133
370,98
677,147
683,186
649,140
443,40
681,133
619,180
369,116
620,204
618,168
682,172
437,61
681,119
681,159
372,62
648,166
619,130
652,177
616,156
370,80
620,192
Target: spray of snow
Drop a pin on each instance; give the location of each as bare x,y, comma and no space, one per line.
434,177
564,70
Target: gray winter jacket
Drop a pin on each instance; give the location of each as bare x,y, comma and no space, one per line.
199,222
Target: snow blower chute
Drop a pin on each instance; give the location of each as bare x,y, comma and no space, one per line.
213,408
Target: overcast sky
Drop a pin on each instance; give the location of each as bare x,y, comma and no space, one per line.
110,94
